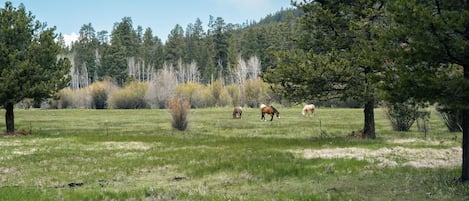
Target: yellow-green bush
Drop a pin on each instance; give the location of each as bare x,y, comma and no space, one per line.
224,99
100,92
131,96
73,98
197,94
235,93
256,92
92,96
188,89
202,98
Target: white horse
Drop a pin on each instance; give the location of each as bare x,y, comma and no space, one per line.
308,110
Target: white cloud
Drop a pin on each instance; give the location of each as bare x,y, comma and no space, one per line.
69,38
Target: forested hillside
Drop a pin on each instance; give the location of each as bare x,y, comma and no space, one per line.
226,51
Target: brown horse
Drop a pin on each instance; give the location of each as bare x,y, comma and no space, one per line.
308,110
237,112
270,110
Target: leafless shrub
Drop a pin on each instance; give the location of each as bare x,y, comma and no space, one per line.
179,109
162,87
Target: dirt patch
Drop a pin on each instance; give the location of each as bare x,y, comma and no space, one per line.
17,133
393,157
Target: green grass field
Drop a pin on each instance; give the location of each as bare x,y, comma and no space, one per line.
136,155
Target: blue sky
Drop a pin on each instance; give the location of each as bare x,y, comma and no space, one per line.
160,15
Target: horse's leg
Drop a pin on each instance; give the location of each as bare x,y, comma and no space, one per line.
272,117
262,116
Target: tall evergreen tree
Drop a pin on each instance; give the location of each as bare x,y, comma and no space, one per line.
148,48
194,36
339,56
85,51
124,36
124,45
29,67
220,41
430,57
175,45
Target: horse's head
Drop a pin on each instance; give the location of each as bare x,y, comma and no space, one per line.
277,113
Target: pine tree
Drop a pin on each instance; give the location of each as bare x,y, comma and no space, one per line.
339,56
29,67
430,61
175,46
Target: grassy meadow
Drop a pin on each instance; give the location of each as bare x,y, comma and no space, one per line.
136,155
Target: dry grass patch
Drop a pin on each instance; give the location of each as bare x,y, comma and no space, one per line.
394,156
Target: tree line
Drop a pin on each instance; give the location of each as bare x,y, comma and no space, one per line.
132,52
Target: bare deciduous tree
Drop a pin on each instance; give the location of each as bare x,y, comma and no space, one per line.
162,86
139,70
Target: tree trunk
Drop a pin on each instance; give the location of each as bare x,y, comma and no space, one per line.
465,145
465,135
10,118
369,127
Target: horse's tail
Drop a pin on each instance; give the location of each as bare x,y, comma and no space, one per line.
303,112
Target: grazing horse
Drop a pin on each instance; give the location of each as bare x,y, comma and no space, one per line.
308,110
237,112
270,110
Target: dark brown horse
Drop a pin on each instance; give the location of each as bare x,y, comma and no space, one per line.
237,112
270,110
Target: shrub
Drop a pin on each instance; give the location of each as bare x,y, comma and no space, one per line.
202,98
74,98
179,110
99,98
423,120
451,117
161,88
188,90
235,94
100,92
403,115
198,95
216,89
131,96
65,98
256,92
224,99
25,103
